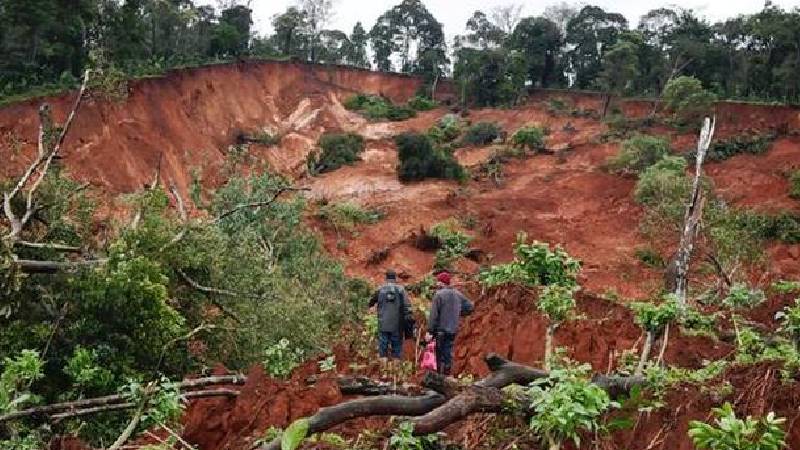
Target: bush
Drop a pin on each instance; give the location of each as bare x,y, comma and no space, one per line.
732,433
280,359
375,108
453,243
482,133
794,185
664,188
446,130
420,160
529,137
337,150
534,264
742,144
649,257
419,103
638,153
687,99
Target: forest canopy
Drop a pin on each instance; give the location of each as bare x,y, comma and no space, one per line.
47,44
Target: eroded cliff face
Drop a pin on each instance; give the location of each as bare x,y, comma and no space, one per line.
188,118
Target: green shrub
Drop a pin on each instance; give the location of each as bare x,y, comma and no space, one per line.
453,243
753,144
375,108
687,99
280,359
530,137
338,149
534,264
346,215
566,403
732,433
419,159
664,188
482,133
420,103
794,185
654,317
446,130
783,227
638,153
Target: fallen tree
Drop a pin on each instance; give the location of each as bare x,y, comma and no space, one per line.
447,401
117,401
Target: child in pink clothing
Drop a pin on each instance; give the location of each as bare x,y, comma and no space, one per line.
429,356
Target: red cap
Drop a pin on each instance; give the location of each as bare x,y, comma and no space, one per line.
443,278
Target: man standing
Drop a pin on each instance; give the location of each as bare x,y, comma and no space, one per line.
394,311
448,306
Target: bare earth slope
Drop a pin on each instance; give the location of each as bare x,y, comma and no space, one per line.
188,119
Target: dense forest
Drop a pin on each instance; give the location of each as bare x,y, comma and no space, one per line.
47,44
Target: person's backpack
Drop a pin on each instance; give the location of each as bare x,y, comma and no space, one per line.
408,324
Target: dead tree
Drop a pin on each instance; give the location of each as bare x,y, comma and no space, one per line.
694,211
447,401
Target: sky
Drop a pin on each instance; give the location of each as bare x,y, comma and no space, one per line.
454,13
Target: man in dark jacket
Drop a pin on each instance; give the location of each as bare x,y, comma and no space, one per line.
447,308
393,312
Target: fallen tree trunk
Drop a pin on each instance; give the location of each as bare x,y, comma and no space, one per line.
55,408
448,402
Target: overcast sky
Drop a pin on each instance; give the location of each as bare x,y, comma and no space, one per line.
454,13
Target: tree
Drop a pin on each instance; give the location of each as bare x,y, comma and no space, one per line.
591,33
560,14
482,33
620,69
291,32
538,41
356,54
401,29
506,17
317,14
489,77
557,302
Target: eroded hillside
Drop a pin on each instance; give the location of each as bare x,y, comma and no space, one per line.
188,120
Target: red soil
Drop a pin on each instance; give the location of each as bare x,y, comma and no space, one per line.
191,117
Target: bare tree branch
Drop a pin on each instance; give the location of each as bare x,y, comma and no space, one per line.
50,410
49,246
49,267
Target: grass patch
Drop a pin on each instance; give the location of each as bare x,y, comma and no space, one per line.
453,243
337,150
346,216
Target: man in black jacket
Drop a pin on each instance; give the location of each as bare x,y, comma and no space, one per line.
394,310
446,310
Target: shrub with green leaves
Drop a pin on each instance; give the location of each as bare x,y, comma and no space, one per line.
565,404
639,153
790,321
281,358
650,257
740,296
557,302
420,103
447,129
15,380
729,432
419,159
453,243
722,149
529,137
534,264
403,439
663,189
687,99
375,108
337,150
654,317
481,133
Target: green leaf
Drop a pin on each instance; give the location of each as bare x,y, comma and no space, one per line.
294,434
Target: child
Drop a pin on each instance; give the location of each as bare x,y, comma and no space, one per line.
429,356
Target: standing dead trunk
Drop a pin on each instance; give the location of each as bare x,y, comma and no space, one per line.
606,104
548,345
648,345
694,211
